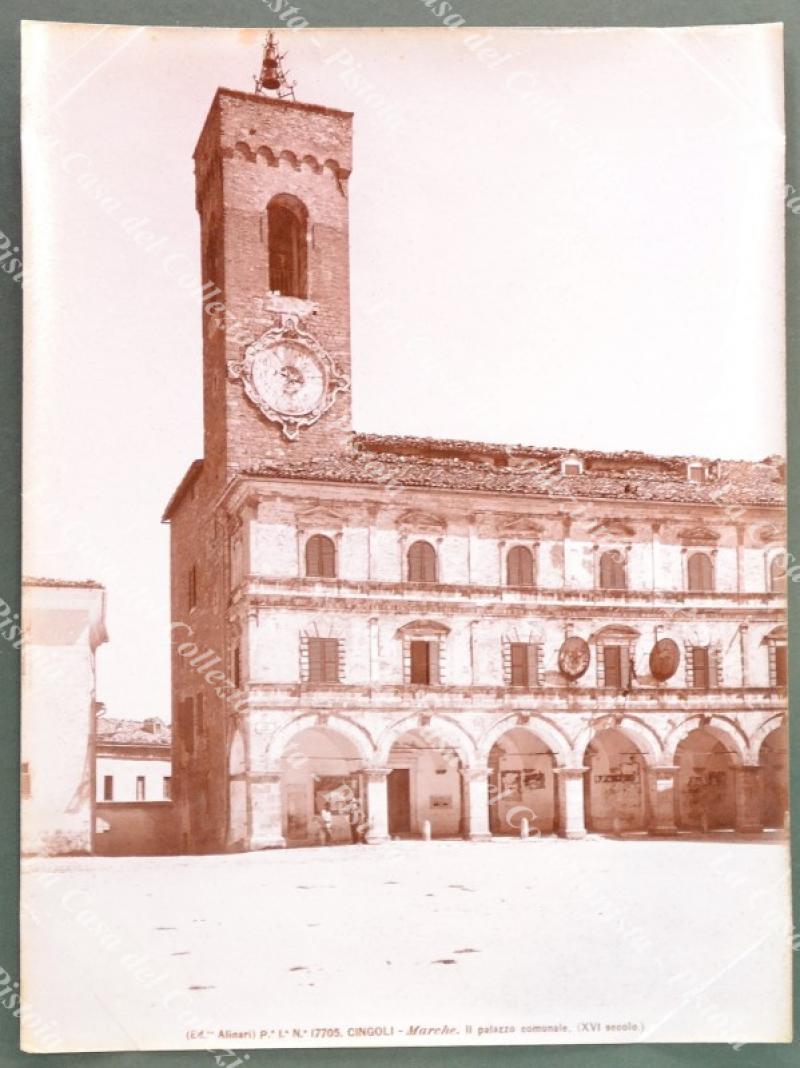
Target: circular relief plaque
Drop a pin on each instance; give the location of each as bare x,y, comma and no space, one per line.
664,659
573,657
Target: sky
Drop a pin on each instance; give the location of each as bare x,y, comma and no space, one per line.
558,237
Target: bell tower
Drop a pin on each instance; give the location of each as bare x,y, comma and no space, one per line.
272,194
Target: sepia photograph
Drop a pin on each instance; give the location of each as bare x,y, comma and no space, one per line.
404,633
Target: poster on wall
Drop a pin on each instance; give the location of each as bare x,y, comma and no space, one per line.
410,401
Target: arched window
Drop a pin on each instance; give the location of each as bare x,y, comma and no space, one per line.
777,574
519,566
422,562
320,557
287,222
700,572
612,570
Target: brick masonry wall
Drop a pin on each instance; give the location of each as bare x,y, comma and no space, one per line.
254,149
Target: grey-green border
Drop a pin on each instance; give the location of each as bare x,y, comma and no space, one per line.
349,13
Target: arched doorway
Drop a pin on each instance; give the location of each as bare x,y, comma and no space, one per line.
615,796
321,766
774,761
424,783
521,783
706,781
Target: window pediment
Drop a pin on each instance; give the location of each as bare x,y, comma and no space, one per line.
771,533
427,522
613,528
422,628
319,518
777,634
698,535
615,633
520,526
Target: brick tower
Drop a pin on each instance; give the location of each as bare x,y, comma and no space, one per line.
271,177
271,192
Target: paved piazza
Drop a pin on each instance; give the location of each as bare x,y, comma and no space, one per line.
545,934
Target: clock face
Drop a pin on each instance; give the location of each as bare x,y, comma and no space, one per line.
289,379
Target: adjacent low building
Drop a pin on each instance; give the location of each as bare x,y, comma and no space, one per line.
133,760
64,623
135,814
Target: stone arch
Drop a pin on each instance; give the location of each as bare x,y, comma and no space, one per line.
546,731
615,786
725,731
773,762
639,732
338,172
244,150
359,737
522,755
312,163
762,732
709,752
453,735
290,157
287,231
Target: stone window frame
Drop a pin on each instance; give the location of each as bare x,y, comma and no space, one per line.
689,551
699,466
334,537
623,638
598,551
714,664
408,543
315,631
571,461
280,208
424,630
538,661
777,638
771,556
507,547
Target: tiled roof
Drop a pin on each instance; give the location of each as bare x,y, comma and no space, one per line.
463,465
133,732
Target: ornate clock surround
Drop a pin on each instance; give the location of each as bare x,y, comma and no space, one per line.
288,332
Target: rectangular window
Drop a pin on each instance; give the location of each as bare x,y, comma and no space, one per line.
186,729
615,667
424,663
140,787
192,586
237,668
199,719
323,660
781,665
524,666
108,787
166,791
701,674
25,780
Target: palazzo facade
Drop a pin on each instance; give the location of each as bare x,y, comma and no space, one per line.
433,636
